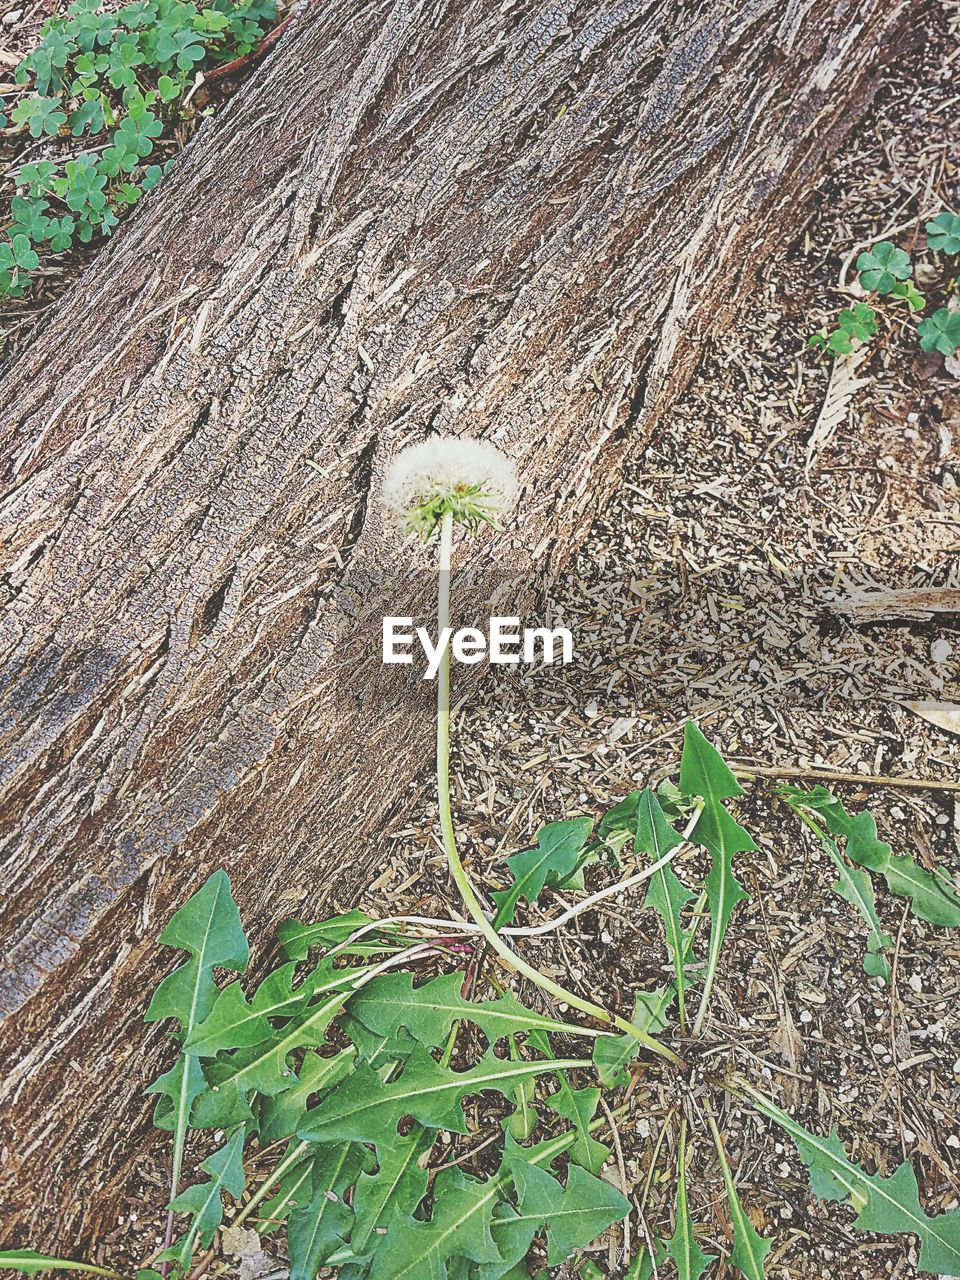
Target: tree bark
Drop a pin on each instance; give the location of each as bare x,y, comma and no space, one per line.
516,222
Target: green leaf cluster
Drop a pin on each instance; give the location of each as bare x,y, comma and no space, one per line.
940,332
886,270
349,1065
883,266
931,894
341,1059
854,324
886,1205
118,79
943,233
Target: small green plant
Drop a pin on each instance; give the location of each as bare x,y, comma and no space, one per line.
886,270
357,1053
941,332
854,324
883,267
118,79
943,233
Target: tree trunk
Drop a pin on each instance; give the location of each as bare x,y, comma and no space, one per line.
515,222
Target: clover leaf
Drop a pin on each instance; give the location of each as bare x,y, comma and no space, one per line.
907,290
61,233
859,321
943,233
186,47
40,115
135,133
854,323
940,332
36,177
29,217
17,253
88,118
882,266
168,88
82,188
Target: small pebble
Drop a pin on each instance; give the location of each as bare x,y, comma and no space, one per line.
941,650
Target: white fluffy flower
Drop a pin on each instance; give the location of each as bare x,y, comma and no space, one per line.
471,478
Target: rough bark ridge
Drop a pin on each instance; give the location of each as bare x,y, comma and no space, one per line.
425,215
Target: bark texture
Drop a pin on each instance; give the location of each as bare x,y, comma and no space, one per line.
515,221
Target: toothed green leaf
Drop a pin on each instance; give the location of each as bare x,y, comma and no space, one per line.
578,1106
374,1048
559,845
203,1200
395,1190
262,1068
234,1023
317,1229
208,926
855,886
298,939
749,1247
428,1011
178,1088
459,1227
292,1191
703,773
886,1205
667,894
932,897
524,1118
573,1215
612,1054
281,1114
365,1109
690,1259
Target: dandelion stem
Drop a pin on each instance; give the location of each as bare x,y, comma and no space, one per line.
460,878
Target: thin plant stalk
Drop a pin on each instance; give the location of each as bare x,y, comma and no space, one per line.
460,878
179,1142
18,1260
289,1160
721,1156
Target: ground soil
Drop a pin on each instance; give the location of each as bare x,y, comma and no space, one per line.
709,589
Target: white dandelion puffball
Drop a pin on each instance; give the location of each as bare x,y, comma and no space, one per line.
470,477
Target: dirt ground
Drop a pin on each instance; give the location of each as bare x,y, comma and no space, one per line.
714,588
717,587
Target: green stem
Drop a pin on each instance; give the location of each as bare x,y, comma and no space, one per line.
289,1160
27,1260
721,1156
682,1164
460,878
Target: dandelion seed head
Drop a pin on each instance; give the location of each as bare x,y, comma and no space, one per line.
470,478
